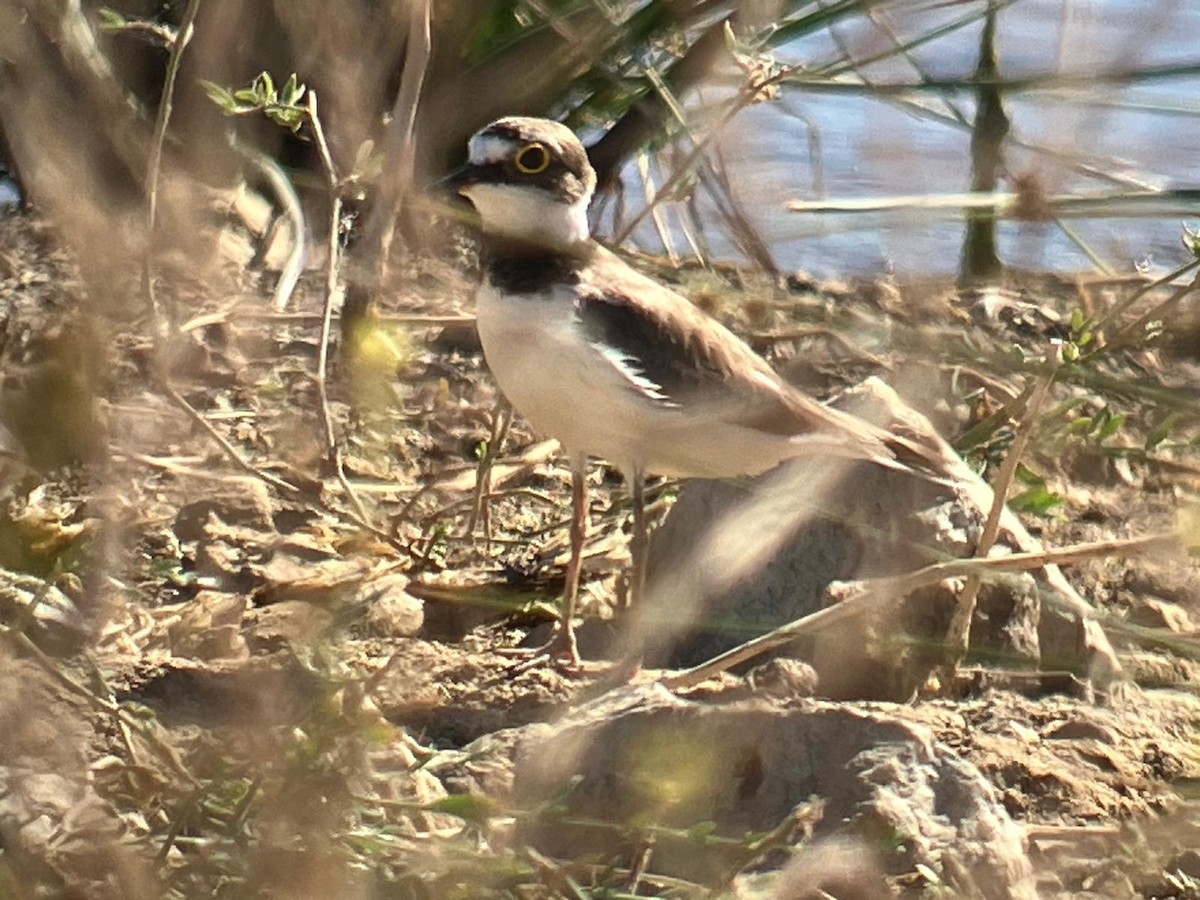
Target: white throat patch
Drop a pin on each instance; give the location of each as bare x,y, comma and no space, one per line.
529,213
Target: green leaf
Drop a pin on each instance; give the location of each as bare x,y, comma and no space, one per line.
1111,426
1026,476
291,90
286,116
1161,431
111,20
1037,500
265,84
1191,241
465,806
1082,328
701,832
219,94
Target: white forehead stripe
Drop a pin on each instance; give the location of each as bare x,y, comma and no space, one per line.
488,148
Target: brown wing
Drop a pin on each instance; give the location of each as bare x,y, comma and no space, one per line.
674,354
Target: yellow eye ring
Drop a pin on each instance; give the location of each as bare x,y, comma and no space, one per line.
532,159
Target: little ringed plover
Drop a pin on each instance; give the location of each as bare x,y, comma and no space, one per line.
611,362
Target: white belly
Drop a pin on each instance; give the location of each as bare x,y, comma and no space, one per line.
567,390
540,360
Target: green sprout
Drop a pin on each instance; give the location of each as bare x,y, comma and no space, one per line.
281,105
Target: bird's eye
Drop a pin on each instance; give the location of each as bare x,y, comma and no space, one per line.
532,159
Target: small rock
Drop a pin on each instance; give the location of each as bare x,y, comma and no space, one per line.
746,766
1151,612
1082,729
222,566
783,679
1112,883
1023,732
290,623
210,627
222,642
841,867
391,611
246,502
1187,863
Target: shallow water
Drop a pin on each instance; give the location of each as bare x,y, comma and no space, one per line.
870,147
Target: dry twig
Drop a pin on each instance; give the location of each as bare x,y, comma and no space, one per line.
958,636
852,598
154,168
334,187
480,507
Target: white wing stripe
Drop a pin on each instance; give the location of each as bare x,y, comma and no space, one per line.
627,366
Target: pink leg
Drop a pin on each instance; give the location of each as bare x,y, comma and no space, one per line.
564,640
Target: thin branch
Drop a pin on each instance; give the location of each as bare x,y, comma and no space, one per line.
232,452
646,116
399,149
154,169
156,33
292,210
958,635
502,418
1120,309
334,189
1084,247
1130,332
856,596
1007,204
750,93
1014,85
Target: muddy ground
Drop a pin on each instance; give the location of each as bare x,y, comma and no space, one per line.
241,679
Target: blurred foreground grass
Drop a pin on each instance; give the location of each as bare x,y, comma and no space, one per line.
309,790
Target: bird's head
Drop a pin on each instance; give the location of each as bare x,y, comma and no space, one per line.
528,179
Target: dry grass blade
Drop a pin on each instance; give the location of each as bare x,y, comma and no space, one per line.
231,452
154,168
53,668
958,635
399,149
291,209
480,506
854,598
332,273
1133,333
